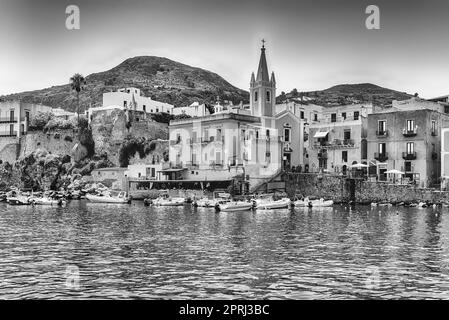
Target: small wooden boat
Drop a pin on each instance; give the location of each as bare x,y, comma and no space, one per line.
233,206
109,197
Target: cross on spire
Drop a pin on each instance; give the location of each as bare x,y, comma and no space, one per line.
263,43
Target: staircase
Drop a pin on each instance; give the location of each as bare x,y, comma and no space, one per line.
257,183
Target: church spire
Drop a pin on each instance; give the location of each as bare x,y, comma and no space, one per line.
262,71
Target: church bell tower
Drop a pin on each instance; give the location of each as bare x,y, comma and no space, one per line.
263,89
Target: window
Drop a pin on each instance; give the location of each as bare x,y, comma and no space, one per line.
315,117
382,126
243,134
410,147
333,117
124,104
268,134
382,148
302,114
344,156
347,134
410,125
255,96
268,96
434,126
144,108
408,166
287,134
257,134
343,115
157,109
356,115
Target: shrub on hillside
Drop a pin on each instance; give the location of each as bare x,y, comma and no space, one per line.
39,120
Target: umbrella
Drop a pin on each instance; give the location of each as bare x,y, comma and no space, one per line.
359,165
394,171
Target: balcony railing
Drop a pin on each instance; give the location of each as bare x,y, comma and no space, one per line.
410,133
322,155
8,133
381,156
382,133
216,163
409,155
173,165
8,120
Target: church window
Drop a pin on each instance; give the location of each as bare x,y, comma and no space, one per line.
255,96
268,96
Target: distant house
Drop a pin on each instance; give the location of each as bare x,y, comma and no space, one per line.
130,99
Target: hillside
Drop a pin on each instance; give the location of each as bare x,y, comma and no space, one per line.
348,94
159,78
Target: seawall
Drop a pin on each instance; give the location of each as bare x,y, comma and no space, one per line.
342,189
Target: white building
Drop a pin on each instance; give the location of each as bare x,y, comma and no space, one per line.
130,99
194,110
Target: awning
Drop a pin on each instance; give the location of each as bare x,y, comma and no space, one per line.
321,134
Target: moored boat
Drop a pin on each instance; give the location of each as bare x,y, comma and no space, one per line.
267,204
235,206
169,202
109,197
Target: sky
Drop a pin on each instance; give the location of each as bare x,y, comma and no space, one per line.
310,45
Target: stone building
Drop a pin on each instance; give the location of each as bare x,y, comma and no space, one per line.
338,139
408,141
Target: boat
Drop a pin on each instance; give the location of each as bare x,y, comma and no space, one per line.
313,203
302,203
267,204
18,200
233,206
16,197
322,203
169,202
205,203
45,201
109,197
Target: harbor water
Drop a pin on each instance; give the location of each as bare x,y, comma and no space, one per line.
89,250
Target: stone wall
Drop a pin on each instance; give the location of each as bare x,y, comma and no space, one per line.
58,142
338,189
8,149
109,129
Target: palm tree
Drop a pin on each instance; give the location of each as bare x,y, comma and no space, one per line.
76,83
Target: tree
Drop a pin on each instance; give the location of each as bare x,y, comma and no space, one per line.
76,83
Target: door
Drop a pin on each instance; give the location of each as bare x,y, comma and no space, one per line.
287,161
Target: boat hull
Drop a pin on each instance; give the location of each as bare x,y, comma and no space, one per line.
105,199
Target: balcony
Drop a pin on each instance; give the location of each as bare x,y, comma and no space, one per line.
8,120
322,155
215,164
434,155
409,133
173,165
192,165
409,155
434,133
381,156
382,133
